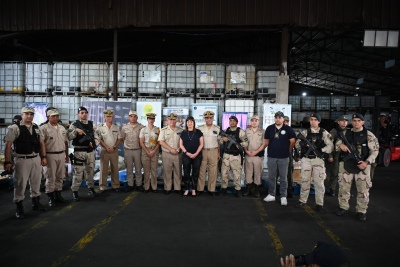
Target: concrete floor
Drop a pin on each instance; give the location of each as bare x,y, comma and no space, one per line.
137,229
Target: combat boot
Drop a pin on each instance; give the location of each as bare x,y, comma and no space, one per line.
75,196
222,192
59,198
239,193
36,205
52,200
19,213
92,193
246,190
256,191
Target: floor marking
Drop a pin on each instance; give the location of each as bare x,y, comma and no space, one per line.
91,235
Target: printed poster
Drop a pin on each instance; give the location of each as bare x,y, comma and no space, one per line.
199,109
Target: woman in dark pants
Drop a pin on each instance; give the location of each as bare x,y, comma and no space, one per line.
191,144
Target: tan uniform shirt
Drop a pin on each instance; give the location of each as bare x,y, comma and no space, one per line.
150,136
130,134
108,135
171,137
325,136
211,136
256,138
13,133
54,137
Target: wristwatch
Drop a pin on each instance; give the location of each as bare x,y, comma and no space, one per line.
368,163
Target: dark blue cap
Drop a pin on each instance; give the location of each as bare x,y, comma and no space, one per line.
234,118
315,115
279,114
358,116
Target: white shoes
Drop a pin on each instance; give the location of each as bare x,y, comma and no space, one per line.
283,201
269,198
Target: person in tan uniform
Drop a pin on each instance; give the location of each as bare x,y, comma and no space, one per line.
55,141
211,154
109,136
150,152
254,157
171,156
81,132
132,151
28,145
232,158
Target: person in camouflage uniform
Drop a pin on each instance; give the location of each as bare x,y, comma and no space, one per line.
367,145
332,164
232,158
313,165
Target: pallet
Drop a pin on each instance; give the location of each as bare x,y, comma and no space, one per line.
37,93
151,95
12,93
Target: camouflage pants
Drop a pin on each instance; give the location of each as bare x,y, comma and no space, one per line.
316,169
363,184
87,168
332,170
234,163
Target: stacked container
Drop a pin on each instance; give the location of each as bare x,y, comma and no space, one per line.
67,107
174,101
127,77
10,105
210,79
352,102
338,102
39,77
323,103
180,78
266,82
240,79
368,101
152,78
209,100
67,77
308,103
294,100
12,76
94,77
240,105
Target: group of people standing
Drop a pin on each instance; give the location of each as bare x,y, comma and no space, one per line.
195,150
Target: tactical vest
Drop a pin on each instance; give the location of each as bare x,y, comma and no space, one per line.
88,130
233,150
358,140
312,137
27,143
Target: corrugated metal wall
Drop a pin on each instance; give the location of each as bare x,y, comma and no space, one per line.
23,15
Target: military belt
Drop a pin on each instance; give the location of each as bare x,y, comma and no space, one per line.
58,152
27,157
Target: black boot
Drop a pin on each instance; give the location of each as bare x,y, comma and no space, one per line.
222,192
129,188
75,196
239,193
36,205
92,193
246,190
19,213
256,191
52,199
59,198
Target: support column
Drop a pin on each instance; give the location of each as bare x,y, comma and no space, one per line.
282,82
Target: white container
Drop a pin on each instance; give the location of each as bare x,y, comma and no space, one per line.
294,100
218,101
10,105
67,76
240,79
266,82
12,76
94,77
323,103
324,114
240,105
180,78
338,102
38,77
210,78
127,77
152,78
3,132
308,103
67,107
180,102
39,99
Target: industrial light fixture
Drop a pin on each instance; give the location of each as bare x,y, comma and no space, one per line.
379,38
304,94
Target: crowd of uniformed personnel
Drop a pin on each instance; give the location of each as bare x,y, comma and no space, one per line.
343,155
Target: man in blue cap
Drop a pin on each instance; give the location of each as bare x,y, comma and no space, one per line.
368,147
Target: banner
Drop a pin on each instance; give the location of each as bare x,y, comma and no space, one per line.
143,108
40,111
242,119
182,113
199,109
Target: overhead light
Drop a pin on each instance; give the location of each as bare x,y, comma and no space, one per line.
380,38
304,94
357,88
331,93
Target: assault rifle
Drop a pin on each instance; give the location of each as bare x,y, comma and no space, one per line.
352,159
311,146
232,142
86,137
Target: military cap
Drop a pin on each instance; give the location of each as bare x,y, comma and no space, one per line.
52,112
151,115
27,110
279,114
108,112
383,114
342,118
358,116
234,118
82,108
255,117
325,254
315,115
172,116
132,112
286,118
208,114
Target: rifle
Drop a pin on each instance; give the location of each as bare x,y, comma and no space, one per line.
353,158
232,142
87,137
311,146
